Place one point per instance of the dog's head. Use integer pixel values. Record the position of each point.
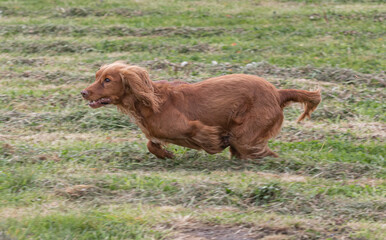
(116, 83)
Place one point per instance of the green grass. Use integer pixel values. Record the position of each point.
(71, 172)
(84, 225)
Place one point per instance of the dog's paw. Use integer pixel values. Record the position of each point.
(169, 154)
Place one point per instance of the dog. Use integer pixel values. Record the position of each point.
(238, 111)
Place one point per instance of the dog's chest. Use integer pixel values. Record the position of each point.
(153, 135)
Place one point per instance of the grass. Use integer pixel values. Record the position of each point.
(71, 172)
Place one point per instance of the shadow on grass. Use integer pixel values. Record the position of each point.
(337, 160)
(133, 158)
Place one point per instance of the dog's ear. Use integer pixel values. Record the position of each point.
(136, 80)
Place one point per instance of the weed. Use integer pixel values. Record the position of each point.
(265, 194)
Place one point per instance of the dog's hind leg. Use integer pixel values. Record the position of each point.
(254, 150)
(249, 140)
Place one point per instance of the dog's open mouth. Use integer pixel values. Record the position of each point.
(99, 103)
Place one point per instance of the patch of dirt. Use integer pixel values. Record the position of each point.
(191, 230)
(79, 191)
(213, 232)
(286, 177)
(12, 212)
(186, 228)
(46, 157)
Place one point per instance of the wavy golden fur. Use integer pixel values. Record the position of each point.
(238, 111)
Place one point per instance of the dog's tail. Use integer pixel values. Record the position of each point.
(308, 98)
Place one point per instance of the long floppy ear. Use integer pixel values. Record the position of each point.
(137, 80)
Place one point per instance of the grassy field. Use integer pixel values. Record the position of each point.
(70, 172)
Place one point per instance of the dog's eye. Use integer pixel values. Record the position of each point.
(107, 80)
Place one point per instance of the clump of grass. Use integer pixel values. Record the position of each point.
(266, 193)
(84, 225)
(17, 181)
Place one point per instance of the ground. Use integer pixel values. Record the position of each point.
(71, 172)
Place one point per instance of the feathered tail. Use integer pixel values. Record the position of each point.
(308, 98)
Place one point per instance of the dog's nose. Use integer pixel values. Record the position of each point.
(84, 93)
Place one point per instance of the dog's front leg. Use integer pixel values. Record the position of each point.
(157, 150)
